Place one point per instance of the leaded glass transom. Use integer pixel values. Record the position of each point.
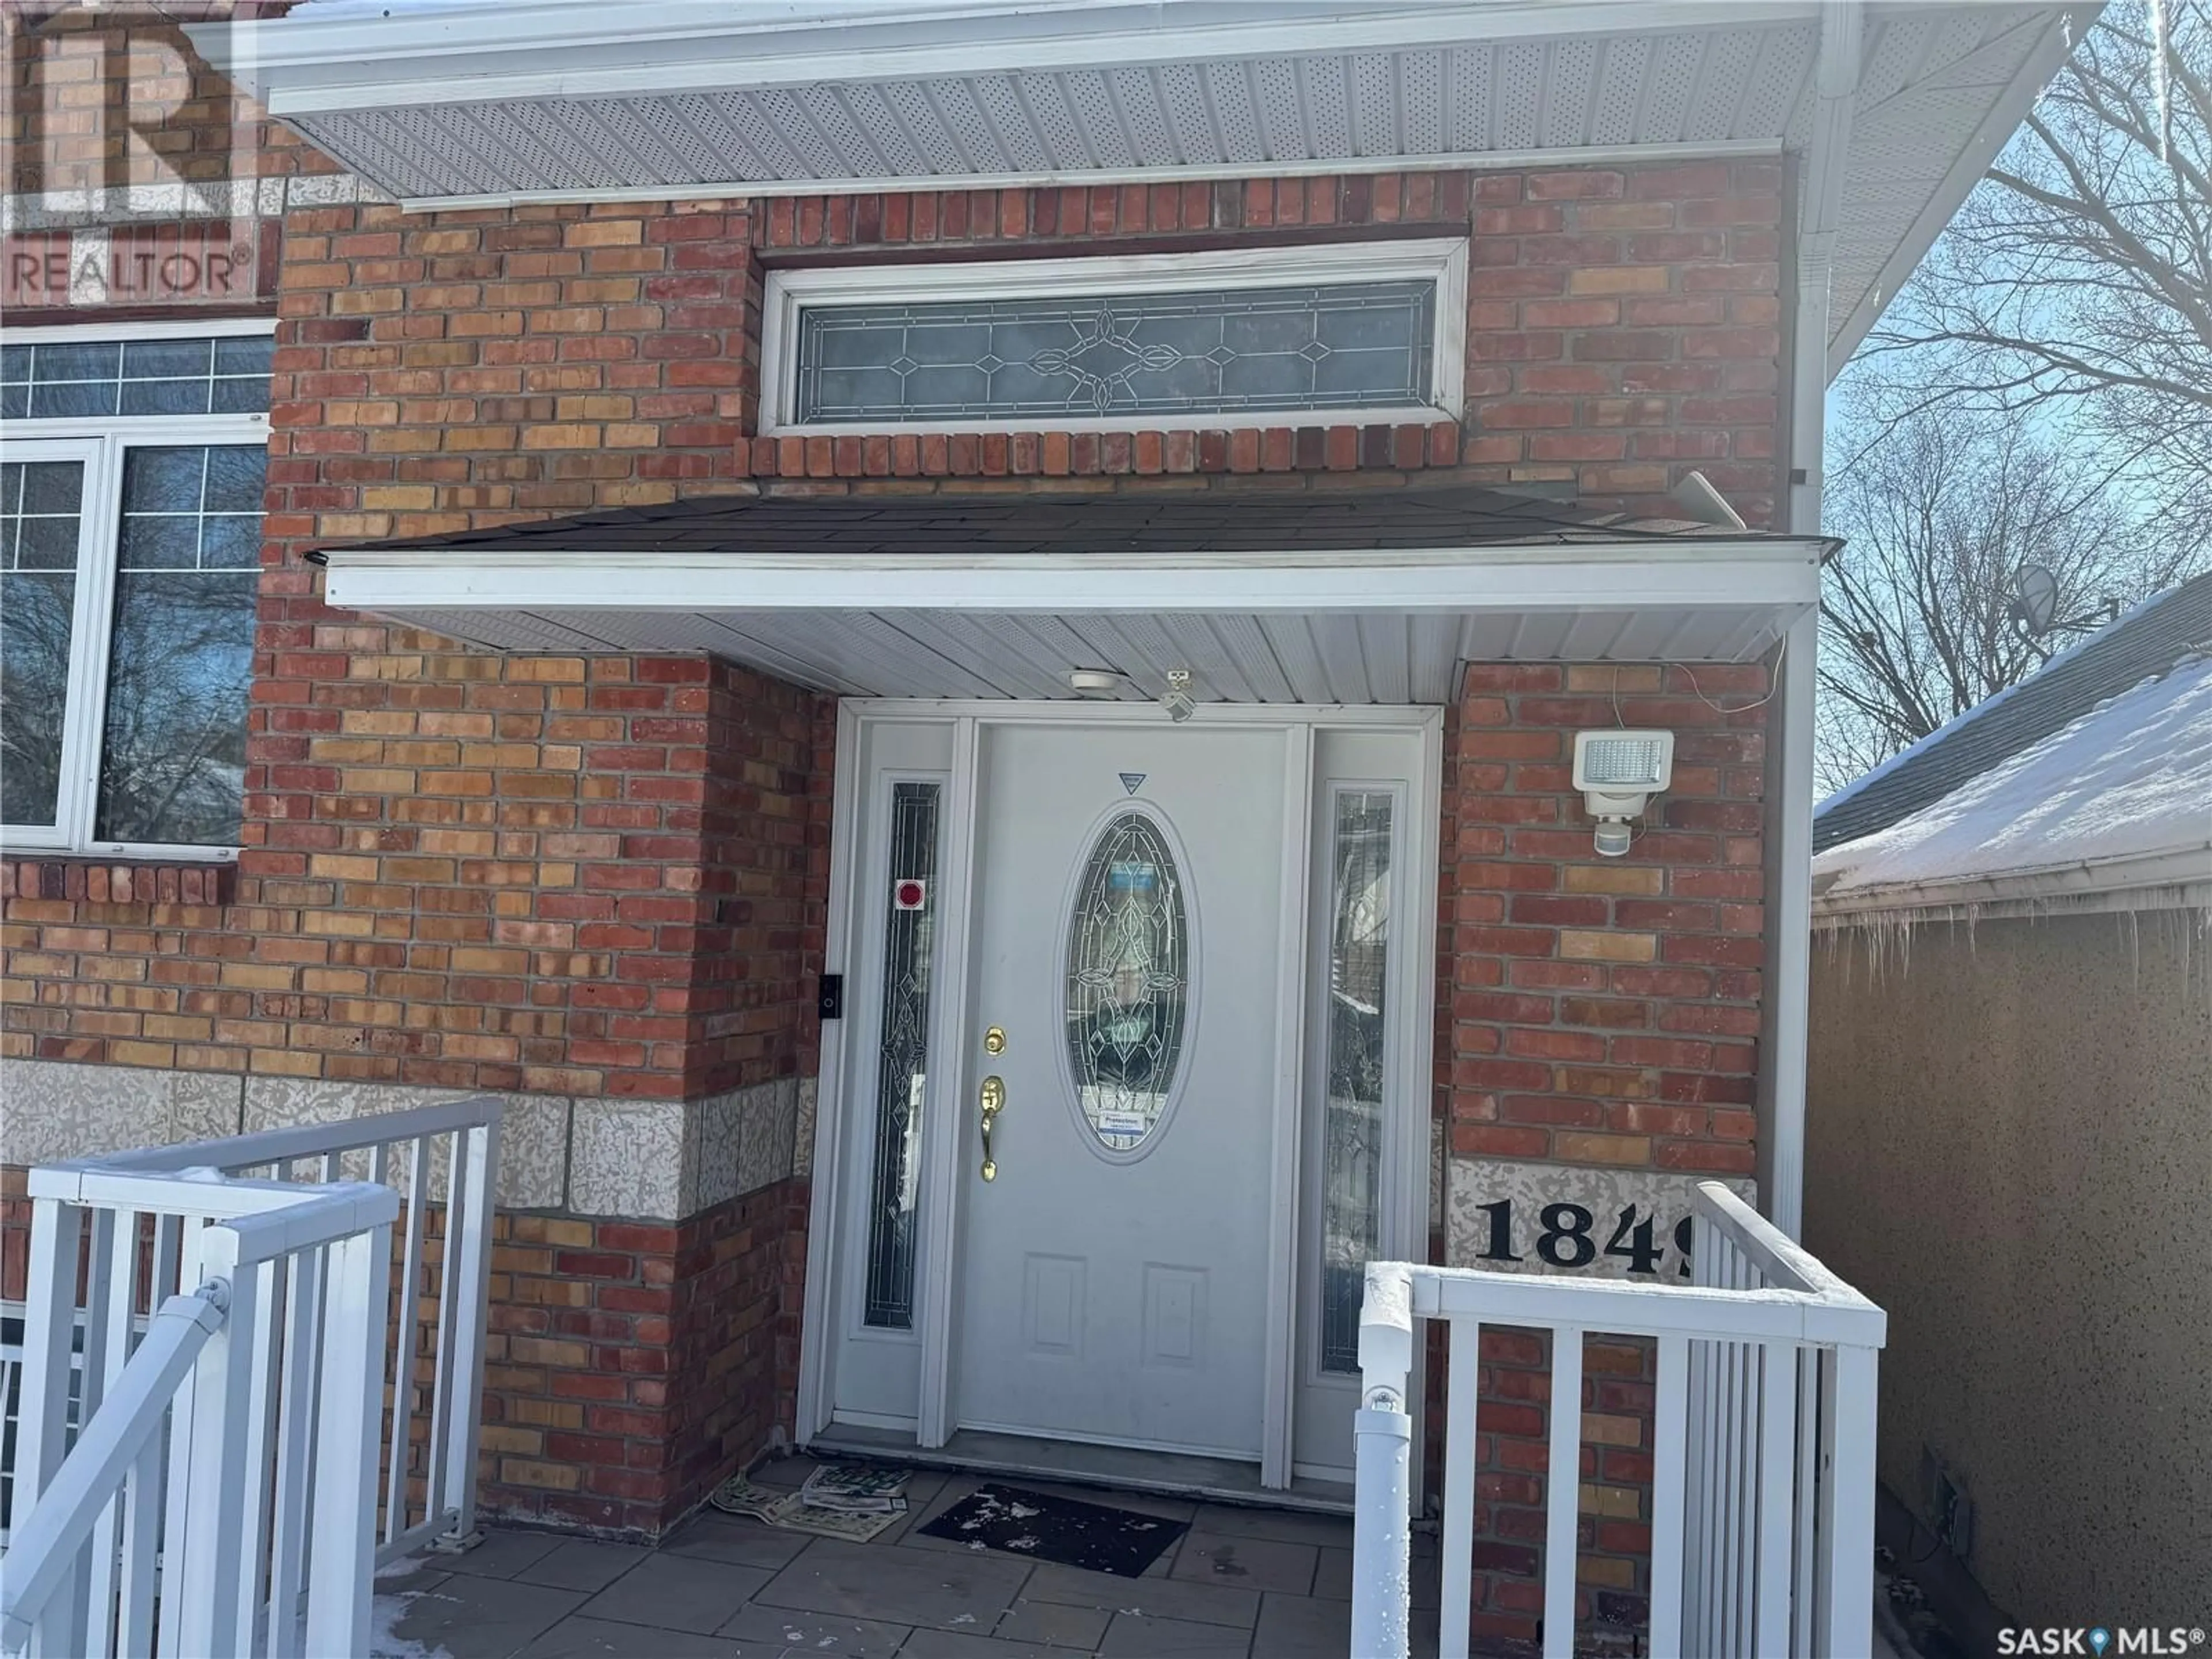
(1352, 1133)
(902, 1056)
(1223, 350)
(1129, 981)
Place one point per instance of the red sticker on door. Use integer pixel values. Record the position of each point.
(909, 895)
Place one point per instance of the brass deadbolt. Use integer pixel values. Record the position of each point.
(994, 1042)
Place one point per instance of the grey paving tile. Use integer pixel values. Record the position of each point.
(837, 1638)
(408, 1575)
(1167, 1598)
(582, 1564)
(1282, 1526)
(1257, 1564)
(897, 1585)
(740, 1542)
(596, 1639)
(927, 1644)
(1052, 1624)
(502, 1554)
(678, 1592)
(1333, 1578)
(1298, 1627)
(481, 1618)
(1141, 1636)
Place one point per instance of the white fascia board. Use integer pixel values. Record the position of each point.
(304, 64)
(2024, 891)
(1690, 572)
(2062, 28)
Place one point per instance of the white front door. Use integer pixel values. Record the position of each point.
(1126, 941)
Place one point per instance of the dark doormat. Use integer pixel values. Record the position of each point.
(1046, 1528)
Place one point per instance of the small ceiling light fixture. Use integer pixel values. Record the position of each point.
(1617, 772)
(1176, 699)
(1095, 681)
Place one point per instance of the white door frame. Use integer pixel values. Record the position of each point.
(1404, 1224)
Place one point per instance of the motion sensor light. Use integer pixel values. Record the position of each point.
(1617, 772)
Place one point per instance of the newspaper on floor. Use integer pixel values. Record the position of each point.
(789, 1512)
(856, 1488)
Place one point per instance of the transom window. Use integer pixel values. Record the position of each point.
(1344, 332)
(131, 471)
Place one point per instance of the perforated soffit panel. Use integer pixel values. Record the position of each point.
(1931, 80)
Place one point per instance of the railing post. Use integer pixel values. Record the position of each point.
(206, 1562)
(348, 1430)
(469, 1280)
(1382, 1577)
(42, 1428)
(1844, 1615)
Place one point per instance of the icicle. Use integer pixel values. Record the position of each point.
(2161, 90)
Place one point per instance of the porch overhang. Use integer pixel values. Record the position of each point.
(462, 103)
(922, 597)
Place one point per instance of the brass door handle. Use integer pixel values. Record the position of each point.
(994, 1101)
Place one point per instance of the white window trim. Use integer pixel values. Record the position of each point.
(99, 441)
(1440, 259)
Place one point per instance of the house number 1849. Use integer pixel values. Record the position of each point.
(1569, 1237)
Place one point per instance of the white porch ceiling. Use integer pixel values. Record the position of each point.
(461, 100)
(1390, 657)
(1359, 626)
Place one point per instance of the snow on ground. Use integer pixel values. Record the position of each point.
(2131, 778)
(385, 1642)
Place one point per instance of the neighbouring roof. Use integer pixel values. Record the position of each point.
(2080, 774)
(1215, 521)
(2149, 639)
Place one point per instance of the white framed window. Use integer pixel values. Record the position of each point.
(132, 462)
(1345, 333)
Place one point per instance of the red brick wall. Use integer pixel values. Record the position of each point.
(1604, 1011)
(1594, 1011)
(631, 1367)
(1623, 325)
(596, 876)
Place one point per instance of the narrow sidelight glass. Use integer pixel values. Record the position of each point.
(1351, 1132)
(902, 1055)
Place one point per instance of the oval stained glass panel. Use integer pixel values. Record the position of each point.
(1128, 979)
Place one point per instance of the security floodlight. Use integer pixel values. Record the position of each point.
(1617, 772)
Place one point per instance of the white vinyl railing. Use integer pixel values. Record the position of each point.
(230, 1484)
(1762, 1535)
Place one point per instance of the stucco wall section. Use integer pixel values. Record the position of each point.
(2010, 1148)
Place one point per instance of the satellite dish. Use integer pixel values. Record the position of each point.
(2035, 599)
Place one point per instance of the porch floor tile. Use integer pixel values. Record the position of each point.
(1241, 1584)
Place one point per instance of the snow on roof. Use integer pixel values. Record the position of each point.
(2130, 779)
